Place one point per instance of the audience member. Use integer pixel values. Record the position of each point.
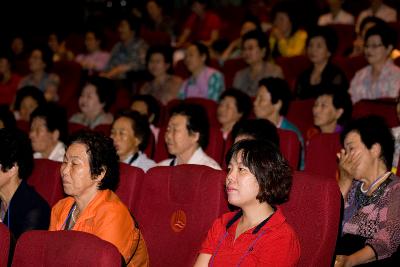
(90, 173)
(95, 99)
(48, 132)
(258, 129)
(255, 51)
(28, 98)
(158, 21)
(286, 39)
(272, 103)
(148, 106)
(164, 86)
(40, 63)
(187, 137)
(202, 25)
(21, 207)
(377, 9)
(9, 81)
(129, 54)
(331, 111)
(95, 59)
(58, 45)
(233, 106)
(130, 133)
(234, 50)
(336, 14)
(204, 81)
(370, 232)
(258, 179)
(381, 78)
(321, 46)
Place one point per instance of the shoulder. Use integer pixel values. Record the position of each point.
(165, 162)
(61, 205)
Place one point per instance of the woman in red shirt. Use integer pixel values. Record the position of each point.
(258, 179)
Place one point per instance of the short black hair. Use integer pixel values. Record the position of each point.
(105, 89)
(340, 99)
(266, 163)
(387, 34)
(259, 129)
(328, 34)
(259, 36)
(243, 102)
(134, 24)
(371, 19)
(197, 120)
(153, 106)
(31, 91)
(16, 150)
(203, 51)
(373, 130)
(140, 126)
(165, 51)
(102, 157)
(55, 118)
(279, 90)
(7, 117)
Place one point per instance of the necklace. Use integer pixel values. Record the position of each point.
(377, 180)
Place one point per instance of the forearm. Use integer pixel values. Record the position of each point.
(361, 256)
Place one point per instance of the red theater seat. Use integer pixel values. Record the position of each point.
(290, 147)
(385, 108)
(46, 179)
(313, 210)
(292, 67)
(131, 179)
(64, 248)
(5, 238)
(176, 208)
(300, 114)
(321, 153)
(231, 66)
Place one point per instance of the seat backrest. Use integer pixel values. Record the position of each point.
(64, 248)
(313, 210)
(385, 108)
(292, 67)
(176, 208)
(70, 73)
(46, 180)
(4, 244)
(130, 181)
(290, 147)
(321, 153)
(231, 66)
(345, 34)
(300, 114)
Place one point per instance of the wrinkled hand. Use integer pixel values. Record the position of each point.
(348, 163)
(342, 261)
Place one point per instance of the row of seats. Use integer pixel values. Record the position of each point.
(175, 207)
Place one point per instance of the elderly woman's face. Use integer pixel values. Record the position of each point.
(125, 141)
(43, 141)
(282, 22)
(157, 65)
(89, 101)
(28, 105)
(227, 112)
(375, 51)
(252, 52)
(241, 185)
(363, 158)
(263, 107)
(324, 112)
(36, 62)
(177, 137)
(75, 172)
(193, 59)
(317, 51)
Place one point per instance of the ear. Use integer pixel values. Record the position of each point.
(100, 177)
(389, 50)
(339, 113)
(137, 141)
(376, 150)
(55, 135)
(195, 136)
(278, 105)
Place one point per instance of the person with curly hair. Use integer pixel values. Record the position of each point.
(258, 179)
(90, 174)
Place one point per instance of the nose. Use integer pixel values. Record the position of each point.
(64, 169)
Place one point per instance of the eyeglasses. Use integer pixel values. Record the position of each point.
(372, 46)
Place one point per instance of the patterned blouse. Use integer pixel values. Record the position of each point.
(208, 84)
(375, 217)
(387, 85)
